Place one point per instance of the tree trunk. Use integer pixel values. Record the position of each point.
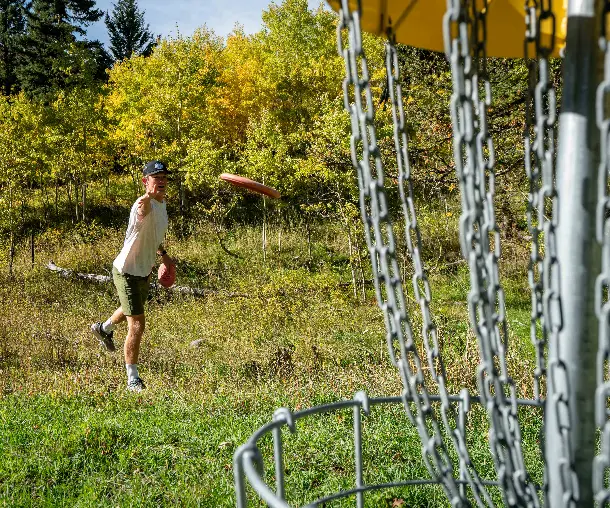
(363, 280)
(84, 205)
(32, 247)
(351, 262)
(308, 237)
(56, 199)
(136, 188)
(264, 228)
(279, 235)
(182, 151)
(45, 196)
(84, 184)
(183, 201)
(76, 198)
(11, 255)
(69, 194)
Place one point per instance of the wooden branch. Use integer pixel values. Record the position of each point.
(223, 246)
(71, 273)
(185, 290)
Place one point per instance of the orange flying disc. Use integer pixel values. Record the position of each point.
(246, 183)
(166, 275)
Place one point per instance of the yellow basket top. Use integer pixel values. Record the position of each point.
(419, 23)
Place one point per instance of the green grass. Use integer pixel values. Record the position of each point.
(284, 332)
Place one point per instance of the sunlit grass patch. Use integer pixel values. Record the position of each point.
(274, 330)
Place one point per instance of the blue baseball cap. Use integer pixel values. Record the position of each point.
(154, 167)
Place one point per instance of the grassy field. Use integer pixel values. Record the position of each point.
(284, 331)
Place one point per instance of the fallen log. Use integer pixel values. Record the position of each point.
(186, 290)
(71, 273)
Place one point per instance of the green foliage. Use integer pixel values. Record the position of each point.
(159, 103)
(128, 33)
(300, 83)
(12, 30)
(18, 168)
(268, 106)
(52, 57)
(81, 125)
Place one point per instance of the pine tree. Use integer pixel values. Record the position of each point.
(12, 30)
(51, 46)
(127, 30)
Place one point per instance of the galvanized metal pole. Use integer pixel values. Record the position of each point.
(570, 423)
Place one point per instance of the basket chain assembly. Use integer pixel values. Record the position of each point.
(434, 416)
(474, 159)
(381, 245)
(601, 465)
(420, 279)
(542, 219)
(539, 141)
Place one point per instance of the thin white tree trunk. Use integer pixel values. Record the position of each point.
(351, 264)
(279, 238)
(84, 195)
(264, 230)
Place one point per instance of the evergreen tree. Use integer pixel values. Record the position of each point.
(50, 45)
(12, 29)
(101, 57)
(128, 33)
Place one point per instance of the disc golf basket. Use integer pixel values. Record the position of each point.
(569, 269)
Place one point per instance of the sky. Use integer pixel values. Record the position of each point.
(170, 17)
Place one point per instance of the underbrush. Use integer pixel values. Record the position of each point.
(279, 328)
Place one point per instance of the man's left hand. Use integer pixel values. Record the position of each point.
(167, 260)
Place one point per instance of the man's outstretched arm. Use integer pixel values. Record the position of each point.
(144, 206)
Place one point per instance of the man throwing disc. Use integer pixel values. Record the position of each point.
(132, 268)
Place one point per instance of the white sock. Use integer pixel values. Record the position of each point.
(108, 326)
(132, 371)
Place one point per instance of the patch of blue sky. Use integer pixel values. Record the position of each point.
(168, 19)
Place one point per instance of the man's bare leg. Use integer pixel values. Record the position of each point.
(117, 317)
(136, 326)
(111, 323)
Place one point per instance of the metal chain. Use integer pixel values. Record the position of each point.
(539, 141)
(543, 215)
(601, 464)
(474, 159)
(421, 285)
(381, 245)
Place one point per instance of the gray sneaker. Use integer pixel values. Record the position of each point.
(136, 385)
(104, 338)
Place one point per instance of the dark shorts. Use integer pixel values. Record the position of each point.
(133, 292)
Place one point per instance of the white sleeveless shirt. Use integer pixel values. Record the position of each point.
(142, 240)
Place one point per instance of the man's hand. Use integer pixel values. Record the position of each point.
(144, 205)
(165, 258)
